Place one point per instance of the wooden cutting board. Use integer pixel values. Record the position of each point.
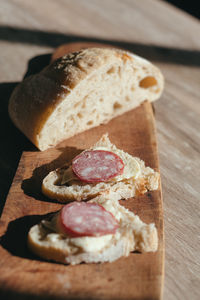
(24, 276)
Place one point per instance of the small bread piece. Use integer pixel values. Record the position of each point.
(45, 239)
(135, 180)
(82, 90)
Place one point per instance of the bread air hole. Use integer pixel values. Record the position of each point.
(90, 122)
(116, 105)
(79, 115)
(84, 102)
(127, 99)
(148, 82)
(111, 70)
(119, 72)
(76, 105)
(132, 89)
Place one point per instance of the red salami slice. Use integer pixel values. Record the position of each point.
(97, 165)
(87, 219)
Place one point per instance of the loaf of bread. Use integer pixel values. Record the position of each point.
(63, 185)
(46, 240)
(82, 90)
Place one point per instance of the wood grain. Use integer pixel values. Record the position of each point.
(138, 276)
(30, 30)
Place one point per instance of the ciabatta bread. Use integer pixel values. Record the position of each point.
(48, 242)
(135, 180)
(82, 90)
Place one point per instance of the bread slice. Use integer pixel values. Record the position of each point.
(135, 180)
(46, 241)
(82, 90)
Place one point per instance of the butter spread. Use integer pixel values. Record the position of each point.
(91, 244)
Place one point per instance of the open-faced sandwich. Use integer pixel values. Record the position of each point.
(100, 169)
(100, 230)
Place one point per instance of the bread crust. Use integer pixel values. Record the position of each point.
(36, 98)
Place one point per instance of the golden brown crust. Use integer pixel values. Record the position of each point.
(32, 102)
(48, 254)
(73, 47)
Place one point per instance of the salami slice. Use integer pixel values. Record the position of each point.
(97, 166)
(87, 219)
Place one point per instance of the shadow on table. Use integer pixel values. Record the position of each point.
(32, 185)
(6, 294)
(55, 39)
(13, 142)
(15, 238)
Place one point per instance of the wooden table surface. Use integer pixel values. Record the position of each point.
(30, 30)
